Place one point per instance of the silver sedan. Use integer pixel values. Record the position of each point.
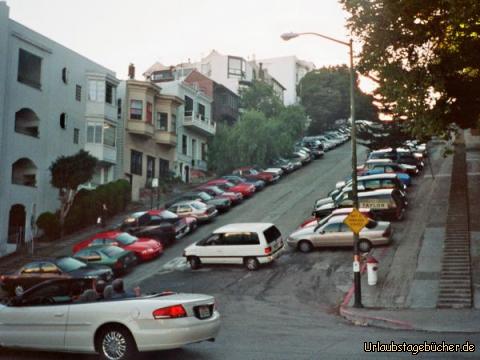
(337, 234)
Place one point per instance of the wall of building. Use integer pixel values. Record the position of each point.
(52, 99)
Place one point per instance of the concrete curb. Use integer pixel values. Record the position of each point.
(376, 321)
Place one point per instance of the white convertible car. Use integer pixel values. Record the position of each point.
(50, 317)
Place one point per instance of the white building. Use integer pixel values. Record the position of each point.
(44, 113)
(288, 70)
(194, 127)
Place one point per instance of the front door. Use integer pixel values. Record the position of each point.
(16, 225)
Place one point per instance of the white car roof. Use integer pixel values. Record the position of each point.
(375, 192)
(247, 227)
(378, 176)
(342, 211)
(379, 161)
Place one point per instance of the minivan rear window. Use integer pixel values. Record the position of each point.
(272, 234)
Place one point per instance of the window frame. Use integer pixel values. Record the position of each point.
(136, 162)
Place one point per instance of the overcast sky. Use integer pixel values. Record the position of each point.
(117, 32)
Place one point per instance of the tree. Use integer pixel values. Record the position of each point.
(426, 57)
(261, 97)
(68, 173)
(325, 94)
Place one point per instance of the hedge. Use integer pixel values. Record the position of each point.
(87, 207)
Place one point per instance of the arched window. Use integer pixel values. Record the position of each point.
(27, 122)
(63, 120)
(24, 172)
(65, 75)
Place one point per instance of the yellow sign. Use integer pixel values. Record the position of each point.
(356, 221)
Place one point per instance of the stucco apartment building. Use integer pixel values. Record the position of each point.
(148, 141)
(288, 70)
(53, 102)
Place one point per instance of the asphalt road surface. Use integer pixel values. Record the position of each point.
(286, 310)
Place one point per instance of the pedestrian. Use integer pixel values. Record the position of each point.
(102, 220)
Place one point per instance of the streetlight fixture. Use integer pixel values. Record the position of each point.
(356, 252)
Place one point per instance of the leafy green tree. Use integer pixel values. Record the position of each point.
(325, 94)
(261, 97)
(426, 57)
(67, 174)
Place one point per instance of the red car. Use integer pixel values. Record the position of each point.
(249, 172)
(189, 221)
(144, 248)
(215, 191)
(245, 189)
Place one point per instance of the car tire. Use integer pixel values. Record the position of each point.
(116, 343)
(364, 245)
(194, 262)
(17, 290)
(251, 263)
(305, 246)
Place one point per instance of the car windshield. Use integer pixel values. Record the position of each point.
(168, 215)
(253, 172)
(216, 190)
(112, 251)
(68, 264)
(204, 196)
(125, 239)
(198, 205)
(371, 224)
(229, 184)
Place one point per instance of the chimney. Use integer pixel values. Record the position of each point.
(131, 71)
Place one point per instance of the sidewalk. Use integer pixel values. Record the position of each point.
(419, 275)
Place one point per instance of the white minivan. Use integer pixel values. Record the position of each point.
(250, 244)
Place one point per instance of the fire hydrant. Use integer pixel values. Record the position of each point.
(372, 270)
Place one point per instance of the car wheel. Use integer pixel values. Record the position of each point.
(18, 290)
(194, 262)
(116, 343)
(251, 263)
(305, 246)
(364, 245)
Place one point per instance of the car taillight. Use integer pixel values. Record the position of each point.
(170, 312)
(118, 265)
(268, 250)
(2, 278)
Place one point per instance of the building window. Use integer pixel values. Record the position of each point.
(94, 133)
(184, 144)
(96, 90)
(162, 121)
(76, 136)
(136, 162)
(150, 167)
(136, 109)
(174, 123)
(63, 121)
(29, 69)
(194, 148)
(188, 106)
(24, 172)
(119, 109)
(236, 67)
(149, 113)
(164, 168)
(204, 152)
(65, 75)
(109, 134)
(78, 93)
(109, 93)
(201, 111)
(27, 122)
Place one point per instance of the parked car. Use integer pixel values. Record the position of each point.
(221, 204)
(116, 258)
(334, 233)
(164, 229)
(250, 173)
(247, 190)
(399, 156)
(315, 146)
(383, 203)
(38, 271)
(313, 221)
(302, 156)
(284, 164)
(296, 161)
(234, 197)
(143, 248)
(274, 170)
(382, 167)
(201, 211)
(259, 184)
(180, 222)
(250, 244)
(114, 328)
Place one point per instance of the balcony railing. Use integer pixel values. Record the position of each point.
(198, 122)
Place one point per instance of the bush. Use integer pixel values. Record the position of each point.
(50, 225)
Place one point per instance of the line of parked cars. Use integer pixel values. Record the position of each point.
(382, 185)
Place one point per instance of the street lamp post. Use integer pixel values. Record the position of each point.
(356, 253)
